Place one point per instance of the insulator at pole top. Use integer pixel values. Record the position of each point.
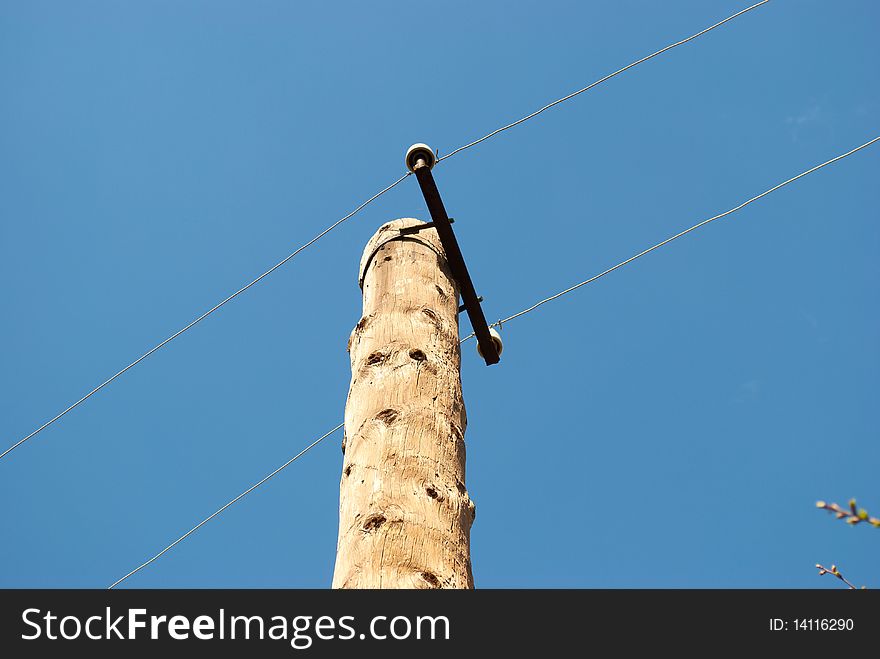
(420, 152)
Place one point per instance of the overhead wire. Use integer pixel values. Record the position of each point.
(202, 317)
(225, 506)
(600, 81)
(676, 236)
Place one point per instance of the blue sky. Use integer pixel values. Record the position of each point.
(671, 425)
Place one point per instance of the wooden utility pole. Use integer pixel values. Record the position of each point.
(405, 514)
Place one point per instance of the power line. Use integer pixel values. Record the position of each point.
(678, 235)
(220, 510)
(601, 80)
(202, 317)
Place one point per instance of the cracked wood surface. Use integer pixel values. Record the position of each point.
(404, 513)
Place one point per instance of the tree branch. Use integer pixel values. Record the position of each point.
(833, 570)
(852, 516)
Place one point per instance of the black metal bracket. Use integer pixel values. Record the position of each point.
(454, 258)
(408, 231)
(462, 307)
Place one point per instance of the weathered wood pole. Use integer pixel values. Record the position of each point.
(404, 512)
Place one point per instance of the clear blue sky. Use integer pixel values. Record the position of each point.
(671, 425)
